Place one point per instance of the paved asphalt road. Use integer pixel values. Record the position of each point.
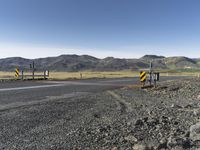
(15, 94)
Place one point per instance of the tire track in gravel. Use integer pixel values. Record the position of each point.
(123, 105)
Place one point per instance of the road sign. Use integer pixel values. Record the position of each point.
(47, 73)
(17, 72)
(156, 76)
(143, 76)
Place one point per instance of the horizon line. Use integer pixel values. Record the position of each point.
(51, 56)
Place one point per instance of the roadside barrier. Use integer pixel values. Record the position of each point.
(143, 77)
(17, 72)
(150, 77)
(31, 76)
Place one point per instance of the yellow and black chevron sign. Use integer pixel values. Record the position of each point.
(16, 72)
(143, 76)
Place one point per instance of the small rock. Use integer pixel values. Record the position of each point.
(139, 122)
(139, 147)
(196, 112)
(188, 106)
(187, 143)
(131, 139)
(145, 119)
(171, 142)
(176, 106)
(114, 148)
(195, 132)
(163, 144)
(128, 123)
(174, 88)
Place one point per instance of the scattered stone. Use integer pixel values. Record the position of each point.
(176, 106)
(163, 144)
(188, 106)
(195, 132)
(114, 148)
(196, 112)
(174, 88)
(139, 147)
(139, 122)
(131, 138)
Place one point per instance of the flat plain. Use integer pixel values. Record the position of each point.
(92, 74)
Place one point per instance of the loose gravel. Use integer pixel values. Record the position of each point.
(166, 117)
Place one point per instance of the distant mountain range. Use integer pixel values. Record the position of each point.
(89, 63)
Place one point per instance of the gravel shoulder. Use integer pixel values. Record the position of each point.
(166, 117)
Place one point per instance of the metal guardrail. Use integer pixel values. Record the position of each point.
(22, 76)
(31, 76)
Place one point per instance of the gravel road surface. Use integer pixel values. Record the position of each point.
(100, 114)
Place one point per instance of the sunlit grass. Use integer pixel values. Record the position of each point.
(87, 75)
(90, 74)
(7, 75)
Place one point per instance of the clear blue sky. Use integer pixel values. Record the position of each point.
(120, 28)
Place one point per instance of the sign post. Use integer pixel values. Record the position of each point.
(33, 70)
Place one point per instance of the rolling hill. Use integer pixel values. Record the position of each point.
(90, 63)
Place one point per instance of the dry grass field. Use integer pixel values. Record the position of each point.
(89, 74)
(75, 75)
(6, 75)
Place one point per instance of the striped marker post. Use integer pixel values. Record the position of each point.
(17, 72)
(143, 77)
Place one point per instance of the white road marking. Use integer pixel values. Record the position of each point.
(46, 86)
(60, 83)
(30, 87)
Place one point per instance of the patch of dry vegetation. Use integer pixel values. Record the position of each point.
(89, 74)
(7, 75)
(181, 74)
